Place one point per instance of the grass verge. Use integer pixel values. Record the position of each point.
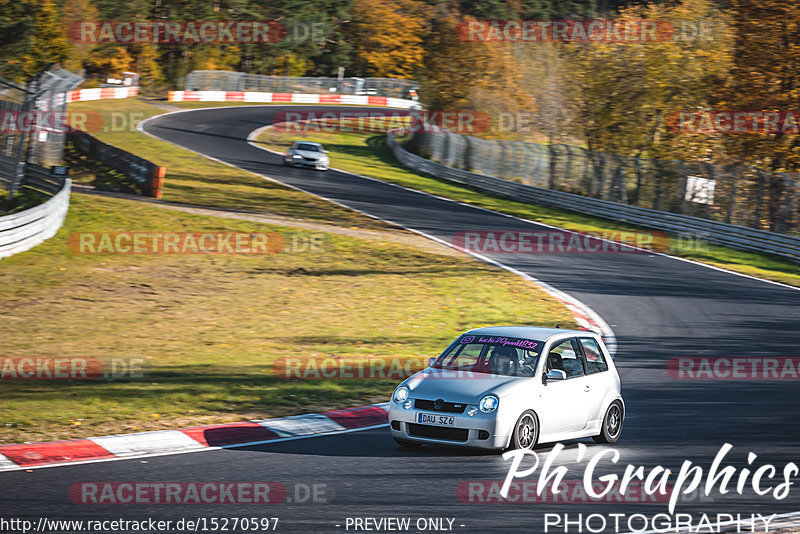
(193, 179)
(212, 327)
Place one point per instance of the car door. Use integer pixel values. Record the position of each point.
(564, 402)
(599, 380)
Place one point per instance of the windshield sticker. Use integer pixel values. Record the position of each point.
(504, 341)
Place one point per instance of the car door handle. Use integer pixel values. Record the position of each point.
(587, 389)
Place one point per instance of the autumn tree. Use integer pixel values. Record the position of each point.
(75, 11)
(463, 74)
(766, 77)
(147, 65)
(16, 27)
(49, 43)
(110, 62)
(387, 36)
(33, 36)
(627, 89)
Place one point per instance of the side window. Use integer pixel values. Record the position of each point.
(595, 361)
(564, 357)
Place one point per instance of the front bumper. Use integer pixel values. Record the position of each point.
(302, 162)
(480, 431)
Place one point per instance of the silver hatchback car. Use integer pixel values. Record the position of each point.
(511, 387)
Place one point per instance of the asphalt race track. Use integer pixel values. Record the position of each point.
(659, 307)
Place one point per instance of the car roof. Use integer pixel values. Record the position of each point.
(307, 143)
(527, 332)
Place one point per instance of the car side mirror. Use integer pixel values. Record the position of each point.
(431, 361)
(555, 374)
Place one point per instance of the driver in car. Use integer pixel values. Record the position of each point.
(504, 360)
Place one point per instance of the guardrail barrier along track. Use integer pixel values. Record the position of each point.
(729, 235)
(24, 230)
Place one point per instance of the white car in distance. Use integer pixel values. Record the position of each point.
(307, 154)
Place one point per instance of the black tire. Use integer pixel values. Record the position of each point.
(612, 424)
(526, 431)
(406, 443)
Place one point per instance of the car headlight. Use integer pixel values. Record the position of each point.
(296, 156)
(400, 394)
(489, 403)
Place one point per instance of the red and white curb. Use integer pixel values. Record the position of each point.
(163, 442)
(101, 93)
(288, 98)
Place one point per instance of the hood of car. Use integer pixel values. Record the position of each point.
(456, 386)
(308, 154)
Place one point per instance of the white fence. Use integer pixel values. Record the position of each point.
(24, 230)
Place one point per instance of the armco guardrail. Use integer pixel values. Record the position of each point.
(729, 235)
(145, 173)
(24, 230)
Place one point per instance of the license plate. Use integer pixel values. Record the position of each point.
(439, 420)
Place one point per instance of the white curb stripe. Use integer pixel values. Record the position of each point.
(169, 442)
(301, 425)
(147, 442)
(6, 464)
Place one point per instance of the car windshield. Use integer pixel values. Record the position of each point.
(308, 148)
(497, 355)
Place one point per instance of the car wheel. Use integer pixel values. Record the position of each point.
(526, 431)
(612, 424)
(406, 443)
